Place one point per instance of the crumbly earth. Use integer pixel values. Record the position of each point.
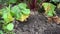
(36, 24)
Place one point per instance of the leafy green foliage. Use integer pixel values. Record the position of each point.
(20, 10)
(15, 10)
(26, 11)
(58, 6)
(1, 32)
(12, 1)
(3, 1)
(8, 14)
(49, 9)
(10, 26)
(22, 5)
(7, 2)
(55, 1)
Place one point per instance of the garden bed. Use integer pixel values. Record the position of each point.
(36, 24)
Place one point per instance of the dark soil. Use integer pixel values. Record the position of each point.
(36, 24)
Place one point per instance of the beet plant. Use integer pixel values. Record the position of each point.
(8, 14)
(49, 9)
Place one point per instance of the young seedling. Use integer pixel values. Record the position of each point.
(49, 11)
(20, 12)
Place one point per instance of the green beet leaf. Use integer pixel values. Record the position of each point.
(12, 1)
(58, 6)
(50, 11)
(18, 16)
(55, 1)
(2, 10)
(20, 10)
(26, 11)
(15, 10)
(22, 5)
(1, 32)
(46, 5)
(7, 15)
(10, 26)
